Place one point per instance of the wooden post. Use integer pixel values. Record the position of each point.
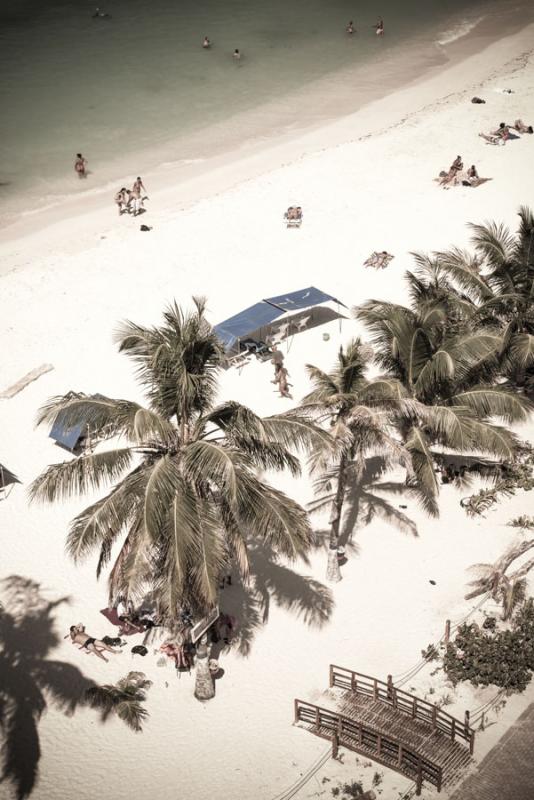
(335, 745)
(440, 778)
(375, 689)
(466, 725)
(472, 743)
(447, 631)
(353, 681)
(414, 708)
(331, 675)
(453, 729)
(317, 718)
(434, 716)
(419, 779)
(296, 706)
(390, 687)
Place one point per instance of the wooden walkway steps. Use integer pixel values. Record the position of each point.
(393, 727)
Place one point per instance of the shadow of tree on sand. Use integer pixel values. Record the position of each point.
(273, 581)
(364, 501)
(29, 681)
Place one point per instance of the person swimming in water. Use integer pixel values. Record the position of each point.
(101, 14)
(206, 43)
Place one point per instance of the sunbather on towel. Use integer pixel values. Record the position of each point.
(498, 136)
(89, 643)
(520, 127)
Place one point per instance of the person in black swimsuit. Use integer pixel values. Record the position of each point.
(89, 643)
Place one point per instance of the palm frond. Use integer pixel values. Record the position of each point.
(80, 475)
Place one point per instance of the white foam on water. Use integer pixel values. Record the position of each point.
(458, 31)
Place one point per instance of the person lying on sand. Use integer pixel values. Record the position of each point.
(520, 127)
(89, 643)
(498, 136)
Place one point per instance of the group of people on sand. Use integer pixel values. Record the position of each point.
(458, 174)
(378, 26)
(131, 200)
(501, 134)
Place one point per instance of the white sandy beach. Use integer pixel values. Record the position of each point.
(365, 183)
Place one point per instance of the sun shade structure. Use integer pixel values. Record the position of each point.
(70, 438)
(7, 481)
(261, 319)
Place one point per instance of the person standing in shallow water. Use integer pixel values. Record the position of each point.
(80, 165)
(236, 55)
(206, 43)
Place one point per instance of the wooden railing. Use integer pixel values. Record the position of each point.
(416, 708)
(364, 739)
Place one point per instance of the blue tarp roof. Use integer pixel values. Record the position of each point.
(300, 299)
(7, 477)
(69, 437)
(240, 325)
(260, 314)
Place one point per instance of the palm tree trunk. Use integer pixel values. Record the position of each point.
(333, 573)
(204, 686)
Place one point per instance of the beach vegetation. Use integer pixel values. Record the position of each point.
(504, 658)
(187, 490)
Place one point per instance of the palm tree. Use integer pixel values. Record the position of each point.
(30, 680)
(186, 497)
(123, 698)
(492, 579)
(443, 370)
(358, 411)
(499, 282)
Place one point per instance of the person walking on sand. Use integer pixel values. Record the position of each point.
(121, 199)
(283, 383)
(277, 361)
(80, 165)
(137, 188)
(89, 643)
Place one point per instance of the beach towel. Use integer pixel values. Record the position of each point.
(378, 260)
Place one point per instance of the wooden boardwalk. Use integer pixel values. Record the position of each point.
(452, 757)
(392, 727)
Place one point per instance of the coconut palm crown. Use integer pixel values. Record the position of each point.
(185, 495)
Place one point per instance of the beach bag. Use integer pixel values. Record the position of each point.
(477, 100)
(139, 650)
(145, 228)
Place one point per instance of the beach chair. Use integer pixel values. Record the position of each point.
(256, 347)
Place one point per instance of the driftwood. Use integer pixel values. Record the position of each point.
(23, 382)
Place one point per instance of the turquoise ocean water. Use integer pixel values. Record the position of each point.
(138, 87)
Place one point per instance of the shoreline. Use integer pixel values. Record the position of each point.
(181, 185)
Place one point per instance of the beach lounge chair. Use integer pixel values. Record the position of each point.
(293, 217)
(256, 347)
(379, 260)
(7, 481)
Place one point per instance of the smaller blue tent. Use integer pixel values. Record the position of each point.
(71, 437)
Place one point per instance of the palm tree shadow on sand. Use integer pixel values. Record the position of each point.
(364, 502)
(30, 681)
(272, 581)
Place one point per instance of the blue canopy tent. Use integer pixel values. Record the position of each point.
(260, 320)
(71, 438)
